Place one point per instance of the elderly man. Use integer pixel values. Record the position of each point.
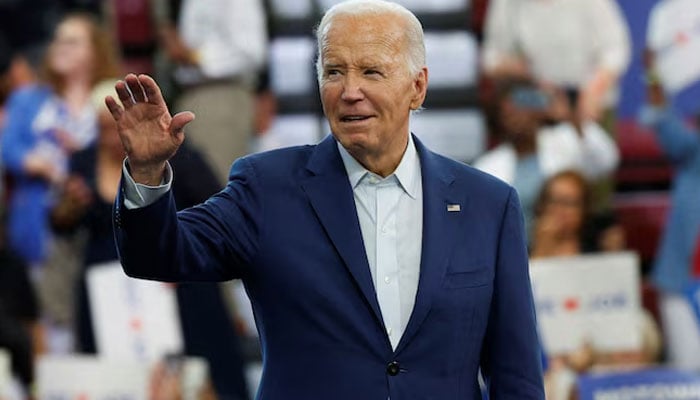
(376, 268)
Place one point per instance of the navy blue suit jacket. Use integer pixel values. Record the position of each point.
(286, 224)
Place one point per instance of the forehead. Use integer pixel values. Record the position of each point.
(72, 26)
(367, 38)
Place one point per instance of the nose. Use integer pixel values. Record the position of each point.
(352, 88)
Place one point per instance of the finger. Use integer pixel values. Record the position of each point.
(123, 94)
(177, 125)
(114, 108)
(132, 82)
(151, 90)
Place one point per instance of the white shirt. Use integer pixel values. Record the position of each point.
(390, 213)
(563, 41)
(228, 35)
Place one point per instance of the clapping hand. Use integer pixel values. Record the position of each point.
(149, 134)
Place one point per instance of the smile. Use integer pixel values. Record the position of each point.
(355, 118)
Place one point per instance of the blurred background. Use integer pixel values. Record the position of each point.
(589, 108)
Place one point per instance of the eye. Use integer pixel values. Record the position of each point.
(332, 72)
(372, 72)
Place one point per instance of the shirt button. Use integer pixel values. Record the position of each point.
(387, 280)
(393, 368)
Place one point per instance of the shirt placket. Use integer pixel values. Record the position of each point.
(387, 277)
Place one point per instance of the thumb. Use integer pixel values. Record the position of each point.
(177, 125)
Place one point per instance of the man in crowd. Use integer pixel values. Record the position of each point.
(376, 268)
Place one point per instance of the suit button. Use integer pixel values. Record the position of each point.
(393, 368)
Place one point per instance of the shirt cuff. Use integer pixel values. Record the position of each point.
(137, 195)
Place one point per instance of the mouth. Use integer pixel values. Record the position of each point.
(354, 118)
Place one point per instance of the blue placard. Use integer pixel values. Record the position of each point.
(651, 384)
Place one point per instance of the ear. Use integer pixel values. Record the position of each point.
(420, 88)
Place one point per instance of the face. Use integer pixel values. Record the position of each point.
(565, 204)
(367, 90)
(518, 124)
(71, 49)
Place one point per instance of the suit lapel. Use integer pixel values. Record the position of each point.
(333, 202)
(439, 234)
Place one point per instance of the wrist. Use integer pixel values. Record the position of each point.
(148, 174)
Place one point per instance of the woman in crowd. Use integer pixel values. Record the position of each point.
(45, 123)
(89, 192)
(565, 226)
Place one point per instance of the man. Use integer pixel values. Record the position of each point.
(376, 268)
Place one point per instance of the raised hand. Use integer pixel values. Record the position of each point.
(149, 134)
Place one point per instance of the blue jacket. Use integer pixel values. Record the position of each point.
(28, 229)
(286, 224)
(672, 267)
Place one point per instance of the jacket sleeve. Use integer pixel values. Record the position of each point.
(214, 241)
(677, 140)
(511, 358)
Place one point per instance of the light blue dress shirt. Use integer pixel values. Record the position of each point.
(390, 213)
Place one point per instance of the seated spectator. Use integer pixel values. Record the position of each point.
(564, 222)
(87, 202)
(531, 152)
(672, 269)
(565, 226)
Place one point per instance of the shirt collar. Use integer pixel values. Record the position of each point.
(406, 172)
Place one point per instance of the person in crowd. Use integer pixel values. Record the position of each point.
(578, 45)
(328, 239)
(45, 123)
(531, 152)
(218, 49)
(565, 224)
(672, 269)
(87, 201)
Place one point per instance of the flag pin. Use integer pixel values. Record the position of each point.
(453, 208)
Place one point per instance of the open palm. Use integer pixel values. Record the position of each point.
(149, 134)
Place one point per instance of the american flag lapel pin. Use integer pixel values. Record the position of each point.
(453, 208)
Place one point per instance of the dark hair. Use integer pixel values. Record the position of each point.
(581, 182)
(501, 90)
(105, 59)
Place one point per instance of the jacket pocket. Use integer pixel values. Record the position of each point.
(468, 277)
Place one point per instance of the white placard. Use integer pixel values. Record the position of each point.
(94, 378)
(452, 59)
(459, 134)
(133, 319)
(89, 378)
(292, 66)
(674, 36)
(588, 298)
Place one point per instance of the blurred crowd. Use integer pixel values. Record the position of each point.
(549, 85)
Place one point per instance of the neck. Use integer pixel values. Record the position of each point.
(382, 163)
(524, 147)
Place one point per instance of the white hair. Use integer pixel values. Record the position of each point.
(415, 46)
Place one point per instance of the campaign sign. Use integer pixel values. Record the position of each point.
(654, 384)
(590, 299)
(694, 297)
(674, 37)
(133, 319)
(91, 378)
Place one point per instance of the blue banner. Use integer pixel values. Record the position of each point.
(653, 384)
